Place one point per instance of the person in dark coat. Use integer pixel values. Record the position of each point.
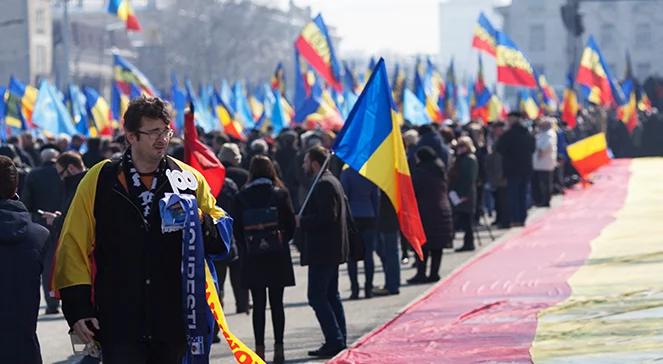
(42, 196)
(231, 158)
(286, 157)
(429, 178)
(430, 137)
(516, 147)
(272, 271)
(21, 248)
(363, 199)
(93, 154)
(325, 247)
(464, 176)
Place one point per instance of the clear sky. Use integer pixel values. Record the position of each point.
(372, 26)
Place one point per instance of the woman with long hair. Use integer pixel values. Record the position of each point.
(264, 224)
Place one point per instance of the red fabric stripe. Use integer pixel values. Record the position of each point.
(317, 62)
(200, 157)
(408, 216)
(483, 45)
(591, 163)
(515, 76)
(132, 23)
(569, 113)
(487, 310)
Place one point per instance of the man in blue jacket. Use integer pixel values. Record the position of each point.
(21, 251)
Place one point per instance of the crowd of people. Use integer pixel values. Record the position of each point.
(463, 176)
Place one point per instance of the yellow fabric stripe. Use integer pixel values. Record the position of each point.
(388, 160)
(586, 147)
(206, 201)
(73, 256)
(592, 61)
(240, 351)
(615, 311)
(317, 40)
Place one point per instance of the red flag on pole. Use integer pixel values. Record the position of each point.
(201, 157)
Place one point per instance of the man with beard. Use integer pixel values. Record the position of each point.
(325, 246)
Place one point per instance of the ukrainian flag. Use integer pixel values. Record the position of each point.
(371, 143)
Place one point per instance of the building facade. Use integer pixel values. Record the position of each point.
(617, 26)
(26, 37)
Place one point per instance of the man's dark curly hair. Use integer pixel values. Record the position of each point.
(145, 106)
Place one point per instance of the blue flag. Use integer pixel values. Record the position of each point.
(50, 114)
(413, 110)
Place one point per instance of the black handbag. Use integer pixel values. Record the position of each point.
(261, 229)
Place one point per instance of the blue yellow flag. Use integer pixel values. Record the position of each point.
(75, 102)
(371, 144)
(99, 113)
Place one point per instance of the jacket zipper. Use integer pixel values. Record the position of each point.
(146, 224)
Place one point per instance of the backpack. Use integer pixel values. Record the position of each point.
(261, 228)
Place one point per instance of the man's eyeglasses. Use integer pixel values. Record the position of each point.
(157, 133)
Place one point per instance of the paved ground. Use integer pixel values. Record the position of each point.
(302, 332)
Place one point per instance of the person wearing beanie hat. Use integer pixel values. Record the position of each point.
(231, 158)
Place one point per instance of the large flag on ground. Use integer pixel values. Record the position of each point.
(201, 157)
(126, 74)
(570, 103)
(485, 36)
(314, 44)
(50, 114)
(122, 9)
(371, 143)
(596, 79)
(513, 68)
(588, 154)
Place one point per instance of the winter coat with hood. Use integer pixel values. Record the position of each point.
(21, 249)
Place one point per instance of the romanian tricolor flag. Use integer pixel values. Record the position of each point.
(315, 46)
(449, 100)
(549, 99)
(527, 104)
(594, 76)
(628, 113)
(126, 74)
(513, 68)
(371, 143)
(644, 104)
(278, 79)
(225, 116)
(588, 154)
(122, 9)
(319, 111)
(480, 98)
(570, 105)
(21, 101)
(99, 113)
(485, 36)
